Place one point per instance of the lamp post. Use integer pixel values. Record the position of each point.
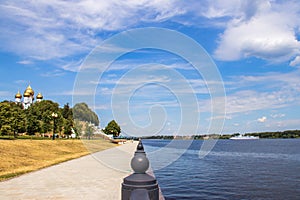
(54, 116)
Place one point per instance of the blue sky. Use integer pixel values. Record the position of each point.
(254, 44)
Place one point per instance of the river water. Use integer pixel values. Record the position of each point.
(243, 169)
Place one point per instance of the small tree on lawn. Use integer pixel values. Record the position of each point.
(112, 128)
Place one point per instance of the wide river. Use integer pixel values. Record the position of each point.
(234, 169)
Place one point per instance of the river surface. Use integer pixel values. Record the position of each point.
(243, 169)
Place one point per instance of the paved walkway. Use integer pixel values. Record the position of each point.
(96, 176)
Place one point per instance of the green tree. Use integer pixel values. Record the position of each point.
(68, 122)
(112, 128)
(17, 119)
(39, 119)
(5, 126)
(6, 129)
(12, 118)
(46, 122)
(82, 112)
(32, 125)
(67, 126)
(66, 111)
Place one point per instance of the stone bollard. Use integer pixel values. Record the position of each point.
(140, 185)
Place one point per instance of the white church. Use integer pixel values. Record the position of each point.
(28, 97)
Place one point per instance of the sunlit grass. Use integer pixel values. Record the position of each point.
(22, 156)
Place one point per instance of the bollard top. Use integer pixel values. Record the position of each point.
(140, 146)
(139, 162)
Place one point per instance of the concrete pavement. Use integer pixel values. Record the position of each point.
(96, 176)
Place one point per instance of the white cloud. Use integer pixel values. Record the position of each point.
(22, 82)
(262, 119)
(282, 124)
(257, 93)
(286, 82)
(268, 33)
(53, 73)
(295, 62)
(292, 123)
(73, 66)
(25, 62)
(220, 9)
(45, 30)
(73, 93)
(249, 100)
(279, 115)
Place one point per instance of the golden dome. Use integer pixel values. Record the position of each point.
(26, 94)
(18, 95)
(29, 90)
(39, 96)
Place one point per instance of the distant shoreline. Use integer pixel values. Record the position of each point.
(288, 134)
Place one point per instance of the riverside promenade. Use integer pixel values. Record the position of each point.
(95, 176)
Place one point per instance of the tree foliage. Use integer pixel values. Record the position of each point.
(68, 122)
(39, 119)
(12, 118)
(112, 128)
(82, 112)
(278, 134)
(36, 119)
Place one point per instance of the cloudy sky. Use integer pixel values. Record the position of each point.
(254, 45)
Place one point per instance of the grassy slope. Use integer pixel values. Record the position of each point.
(22, 156)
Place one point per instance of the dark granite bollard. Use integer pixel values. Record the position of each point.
(140, 185)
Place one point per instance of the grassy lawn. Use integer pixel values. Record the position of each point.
(22, 156)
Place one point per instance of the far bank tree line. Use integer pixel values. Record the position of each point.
(38, 119)
(266, 135)
(269, 135)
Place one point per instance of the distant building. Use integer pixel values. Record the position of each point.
(28, 97)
